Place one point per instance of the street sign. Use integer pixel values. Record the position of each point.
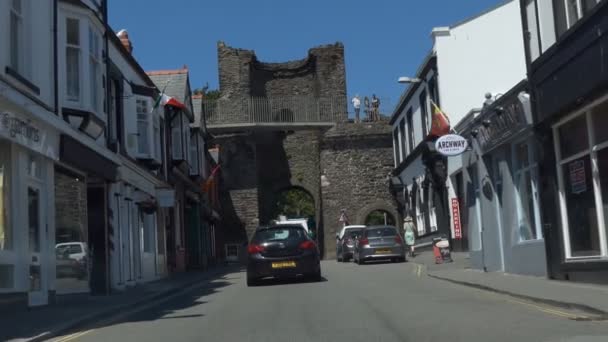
(456, 218)
(451, 145)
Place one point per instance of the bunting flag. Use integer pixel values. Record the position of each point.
(209, 181)
(441, 123)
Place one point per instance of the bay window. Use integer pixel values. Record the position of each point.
(143, 128)
(582, 164)
(83, 64)
(72, 60)
(94, 69)
(17, 36)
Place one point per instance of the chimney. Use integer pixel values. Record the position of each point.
(123, 35)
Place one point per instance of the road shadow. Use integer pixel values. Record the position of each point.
(287, 281)
(75, 314)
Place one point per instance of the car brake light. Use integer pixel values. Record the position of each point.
(307, 245)
(398, 239)
(363, 241)
(254, 249)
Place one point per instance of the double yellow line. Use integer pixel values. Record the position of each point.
(73, 336)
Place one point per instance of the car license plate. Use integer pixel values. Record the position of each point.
(383, 251)
(284, 264)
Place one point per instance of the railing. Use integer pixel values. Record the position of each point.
(292, 109)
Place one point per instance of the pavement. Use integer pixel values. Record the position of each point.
(72, 311)
(592, 299)
(372, 302)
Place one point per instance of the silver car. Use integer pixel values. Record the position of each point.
(379, 243)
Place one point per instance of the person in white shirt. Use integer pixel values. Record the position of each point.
(357, 105)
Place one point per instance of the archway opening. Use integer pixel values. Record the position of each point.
(295, 203)
(380, 217)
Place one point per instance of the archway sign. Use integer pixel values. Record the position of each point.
(451, 145)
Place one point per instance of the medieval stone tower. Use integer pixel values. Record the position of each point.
(284, 125)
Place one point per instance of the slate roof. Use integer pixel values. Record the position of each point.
(175, 81)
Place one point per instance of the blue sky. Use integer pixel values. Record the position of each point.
(383, 39)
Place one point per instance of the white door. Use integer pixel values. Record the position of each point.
(37, 290)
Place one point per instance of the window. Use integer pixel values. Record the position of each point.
(410, 130)
(526, 189)
(6, 236)
(72, 60)
(568, 12)
(402, 139)
(582, 158)
(176, 139)
(17, 36)
(194, 165)
(396, 147)
(186, 137)
(143, 127)
(94, 69)
(424, 114)
(156, 138)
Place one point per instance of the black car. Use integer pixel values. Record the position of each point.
(282, 251)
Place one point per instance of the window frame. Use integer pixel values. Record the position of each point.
(529, 170)
(95, 49)
(22, 40)
(143, 115)
(592, 152)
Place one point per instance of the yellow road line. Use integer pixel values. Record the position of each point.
(74, 336)
(547, 310)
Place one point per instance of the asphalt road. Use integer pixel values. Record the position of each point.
(378, 302)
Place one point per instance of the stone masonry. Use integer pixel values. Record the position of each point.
(257, 165)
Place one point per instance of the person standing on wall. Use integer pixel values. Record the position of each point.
(357, 105)
(368, 112)
(408, 235)
(375, 108)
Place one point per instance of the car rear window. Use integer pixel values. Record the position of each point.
(353, 233)
(380, 232)
(279, 234)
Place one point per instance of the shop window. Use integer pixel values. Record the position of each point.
(584, 189)
(71, 249)
(573, 137)
(7, 276)
(526, 195)
(6, 236)
(600, 122)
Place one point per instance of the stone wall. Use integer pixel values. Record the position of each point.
(356, 160)
(258, 165)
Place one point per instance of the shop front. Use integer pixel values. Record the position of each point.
(28, 150)
(502, 201)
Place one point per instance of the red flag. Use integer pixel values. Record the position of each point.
(441, 124)
(209, 179)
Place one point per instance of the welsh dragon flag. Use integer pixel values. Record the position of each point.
(165, 100)
(441, 123)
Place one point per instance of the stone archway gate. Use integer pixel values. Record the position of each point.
(306, 140)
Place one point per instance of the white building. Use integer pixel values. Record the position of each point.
(479, 55)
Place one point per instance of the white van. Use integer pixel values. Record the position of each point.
(301, 221)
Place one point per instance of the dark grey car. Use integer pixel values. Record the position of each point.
(379, 243)
(346, 245)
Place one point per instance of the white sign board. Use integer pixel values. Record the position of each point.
(451, 145)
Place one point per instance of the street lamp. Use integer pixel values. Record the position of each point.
(408, 80)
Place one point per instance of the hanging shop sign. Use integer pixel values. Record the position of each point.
(451, 145)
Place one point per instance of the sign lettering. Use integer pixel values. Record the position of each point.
(456, 218)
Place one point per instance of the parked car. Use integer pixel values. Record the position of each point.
(379, 243)
(346, 245)
(282, 251)
(71, 260)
